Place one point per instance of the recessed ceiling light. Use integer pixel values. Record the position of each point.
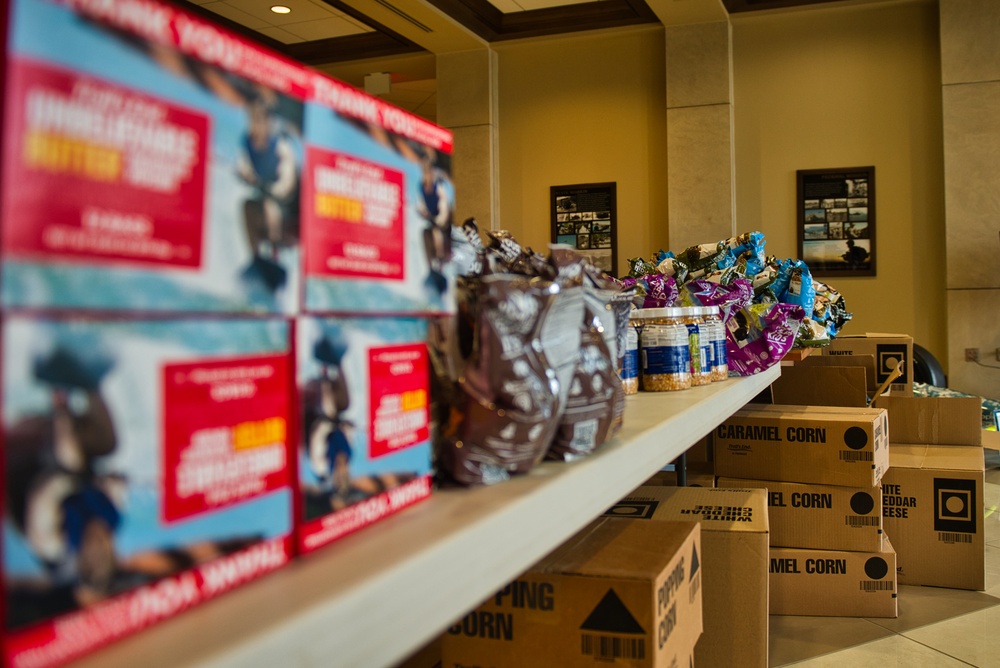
(281, 9)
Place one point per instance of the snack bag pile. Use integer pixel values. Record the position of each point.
(529, 367)
(768, 305)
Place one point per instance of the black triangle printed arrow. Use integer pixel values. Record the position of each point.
(611, 616)
(694, 562)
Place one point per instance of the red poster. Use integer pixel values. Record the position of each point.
(96, 171)
(225, 432)
(352, 217)
(398, 405)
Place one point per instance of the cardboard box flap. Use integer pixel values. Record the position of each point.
(874, 335)
(610, 548)
(864, 362)
(743, 510)
(827, 384)
(934, 420)
(829, 412)
(991, 439)
(937, 457)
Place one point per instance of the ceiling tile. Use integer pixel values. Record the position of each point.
(427, 109)
(402, 96)
(543, 4)
(302, 10)
(280, 34)
(424, 85)
(235, 14)
(507, 6)
(324, 28)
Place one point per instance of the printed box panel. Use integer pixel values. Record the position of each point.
(588, 603)
(888, 351)
(378, 207)
(807, 444)
(822, 517)
(734, 537)
(146, 470)
(833, 583)
(152, 162)
(364, 450)
(934, 514)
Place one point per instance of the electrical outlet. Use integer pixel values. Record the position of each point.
(972, 354)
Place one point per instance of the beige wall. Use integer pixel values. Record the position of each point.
(825, 87)
(584, 109)
(970, 67)
(844, 87)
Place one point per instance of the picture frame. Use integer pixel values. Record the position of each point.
(585, 216)
(835, 210)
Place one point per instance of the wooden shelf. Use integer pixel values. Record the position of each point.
(375, 597)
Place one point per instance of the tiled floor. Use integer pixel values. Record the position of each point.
(935, 627)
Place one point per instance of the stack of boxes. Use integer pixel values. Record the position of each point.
(734, 563)
(188, 397)
(377, 212)
(618, 592)
(933, 490)
(821, 467)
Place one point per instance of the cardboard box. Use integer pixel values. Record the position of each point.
(364, 450)
(833, 583)
(934, 420)
(822, 517)
(821, 384)
(622, 593)
(701, 451)
(933, 510)
(699, 474)
(147, 469)
(991, 439)
(734, 539)
(887, 349)
(151, 199)
(811, 444)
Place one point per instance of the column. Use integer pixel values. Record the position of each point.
(467, 105)
(700, 167)
(970, 76)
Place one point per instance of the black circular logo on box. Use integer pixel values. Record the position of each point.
(876, 568)
(862, 503)
(855, 438)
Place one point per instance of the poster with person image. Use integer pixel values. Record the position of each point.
(585, 217)
(836, 220)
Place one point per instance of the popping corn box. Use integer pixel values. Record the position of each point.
(364, 444)
(146, 470)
